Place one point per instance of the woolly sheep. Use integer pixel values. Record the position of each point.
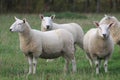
(47, 45)
(98, 45)
(115, 30)
(76, 30)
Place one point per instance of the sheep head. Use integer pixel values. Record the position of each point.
(103, 29)
(18, 25)
(47, 22)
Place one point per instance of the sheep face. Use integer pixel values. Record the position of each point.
(103, 30)
(17, 26)
(47, 22)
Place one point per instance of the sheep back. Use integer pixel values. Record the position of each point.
(75, 29)
(51, 44)
(64, 44)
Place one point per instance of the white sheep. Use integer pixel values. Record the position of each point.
(98, 45)
(76, 30)
(115, 30)
(47, 45)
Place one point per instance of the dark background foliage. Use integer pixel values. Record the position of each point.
(37, 6)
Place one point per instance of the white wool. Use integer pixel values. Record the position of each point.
(74, 28)
(47, 45)
(96, 47)
(115, 30)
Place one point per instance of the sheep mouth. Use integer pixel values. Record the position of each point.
(10, 30)
(105, 37)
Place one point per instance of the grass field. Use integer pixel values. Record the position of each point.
(14, 65)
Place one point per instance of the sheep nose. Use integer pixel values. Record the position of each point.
(104, 35)
(10, 29)
(48, 26)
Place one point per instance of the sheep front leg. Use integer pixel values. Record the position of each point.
(34, 64)
(30, 64)
(106, 65)
(97, 66)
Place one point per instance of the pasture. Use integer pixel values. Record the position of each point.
(14, 65)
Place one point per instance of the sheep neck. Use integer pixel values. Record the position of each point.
(100, 42)
(54, 26)
(25, 36)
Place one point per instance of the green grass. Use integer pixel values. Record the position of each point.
(14, 65)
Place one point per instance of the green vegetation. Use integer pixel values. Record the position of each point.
(14, 65)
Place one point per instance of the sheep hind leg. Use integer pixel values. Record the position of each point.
(30, 64)
(90, 59)
(34, 64)
(74, 65)
(66, 65)
(90, 62)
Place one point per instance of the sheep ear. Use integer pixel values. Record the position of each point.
(15, 18)
(24, 20)
(53, 16)
(106, 15)
(41, 16)
(96, 23)
(110, 25)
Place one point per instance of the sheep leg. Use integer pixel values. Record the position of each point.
(89, 58)
(106, 65)
(34, 64)
(30, 65)
(97, 66)
(66, 65)
(74, 65)
(90, 62)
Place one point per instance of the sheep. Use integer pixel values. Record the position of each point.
(98, 45)
(76, 30)
(115, 30)
(46, 45)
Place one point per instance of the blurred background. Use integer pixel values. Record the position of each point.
(40, 6)
(14, 65)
